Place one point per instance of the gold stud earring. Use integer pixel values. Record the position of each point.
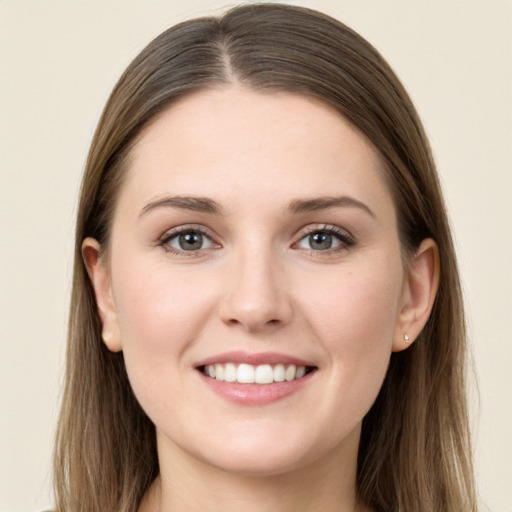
(104, 337)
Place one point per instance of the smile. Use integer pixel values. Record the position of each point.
(250, 379)
(252, 374)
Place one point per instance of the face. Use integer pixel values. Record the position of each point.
(255, 280)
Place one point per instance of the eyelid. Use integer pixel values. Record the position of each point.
(346, 238)
(184, 228)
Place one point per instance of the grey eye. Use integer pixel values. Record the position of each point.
(320, 241)
(189, 241)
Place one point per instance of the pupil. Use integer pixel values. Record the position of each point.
(191, 241)
(320, 241)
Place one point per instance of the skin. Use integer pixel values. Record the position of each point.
(257, 284)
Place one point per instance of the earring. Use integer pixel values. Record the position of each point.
(406, 338)
(104, 337)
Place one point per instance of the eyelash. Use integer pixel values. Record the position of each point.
(346, 240)
(166, 239)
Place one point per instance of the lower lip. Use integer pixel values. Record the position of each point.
(255, 394)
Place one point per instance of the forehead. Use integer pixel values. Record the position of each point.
(232, 141)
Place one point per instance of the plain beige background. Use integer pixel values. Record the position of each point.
(58, 63)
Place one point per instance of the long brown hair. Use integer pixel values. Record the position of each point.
(414, 452)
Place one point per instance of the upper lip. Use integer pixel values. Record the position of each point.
(254, 359)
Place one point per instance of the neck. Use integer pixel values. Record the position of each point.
(185, 483)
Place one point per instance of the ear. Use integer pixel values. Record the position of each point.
(100, 279)
(418, 294)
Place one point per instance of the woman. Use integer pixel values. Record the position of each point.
(266, 309)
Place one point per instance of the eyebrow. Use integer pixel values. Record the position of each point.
(196, 204)
(207, 205)
(322, 203)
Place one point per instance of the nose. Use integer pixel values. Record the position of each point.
(256, 296)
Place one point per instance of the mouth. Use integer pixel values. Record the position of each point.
(255, 379)
(266, 373)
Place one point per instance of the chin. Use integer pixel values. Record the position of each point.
(270, 455)
(259, 463)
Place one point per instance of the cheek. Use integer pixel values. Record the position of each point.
(354, 319)
(156, 307)
(358, 307)
(159, 316)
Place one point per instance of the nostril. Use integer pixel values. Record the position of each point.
(254, 313)
(248, 323)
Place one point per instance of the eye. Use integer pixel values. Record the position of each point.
(187, 240)
(325, 239)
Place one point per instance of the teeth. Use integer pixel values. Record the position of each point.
(290, 373)
(245, 374)
(249, 374)
(264, 374)
(279, 373)
(219, 372)
(301, 371)
(230, 372)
